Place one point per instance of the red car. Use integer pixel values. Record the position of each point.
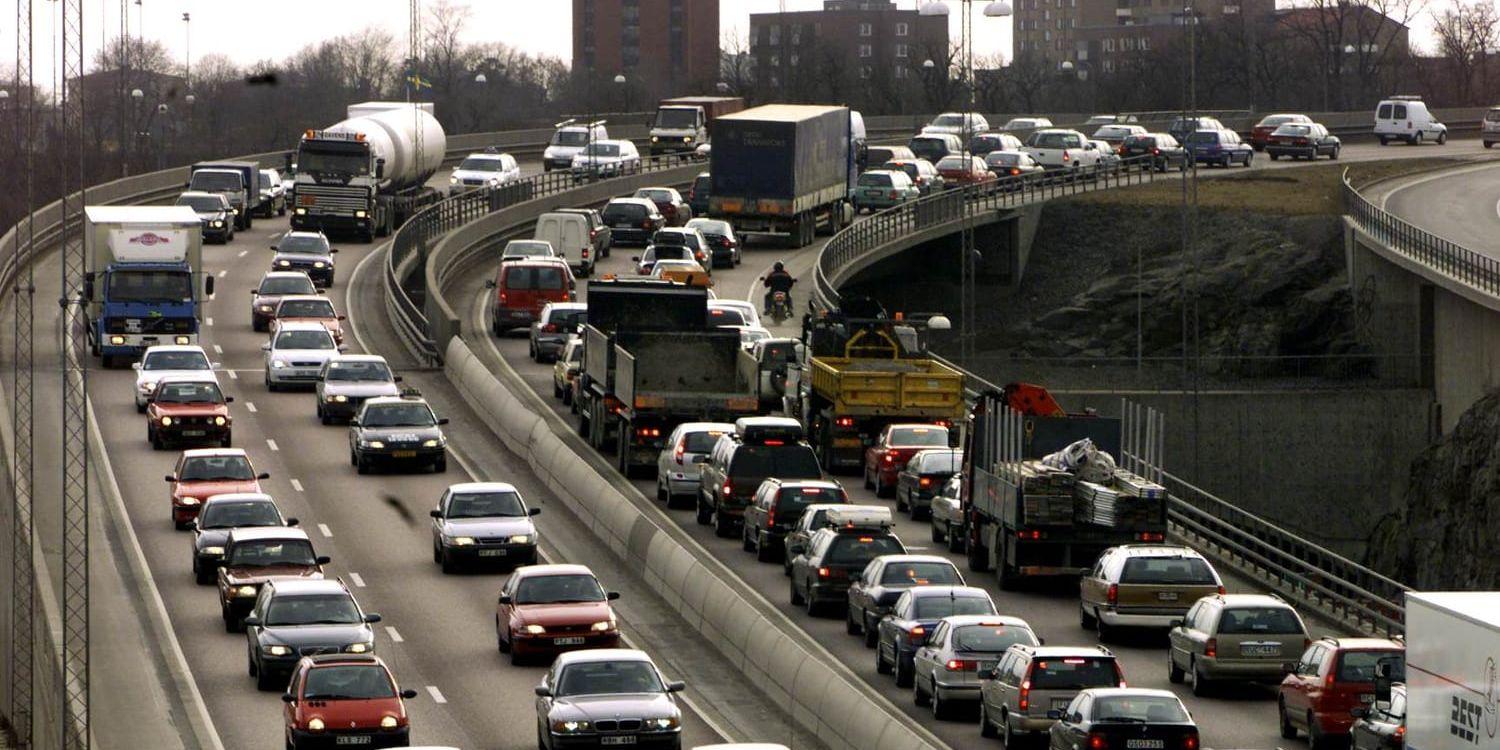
(548, 609)
(189, 410)
(669, 202)
(524, 287)
(257, 554)
(958, 170)
(1333, 676)
(345, 700)
(205, 472)
(1260, 135)
(310, 309)
(896, 445)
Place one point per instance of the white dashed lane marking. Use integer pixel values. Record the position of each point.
(242, 253)
(217, 349)
(323, 528)
(233, 375)
(210, 321)
(358, 582)
(223, 273)
(272, 444)
(296, 485)
(437, 695)
(395, 636)
(250, 406)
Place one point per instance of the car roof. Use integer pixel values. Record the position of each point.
(299, 325)
(358, 358)
(240, 497)
(557, 569)
(308, 586)
(707, 426)
(901, 425)
(284, 275)
(302, 233)
(1005, 620)
(175, 348)
(1055, 652)
(533, 262)
(1137, 691)
(632, 200)
(253, 533)
(382, 400)
(827, 484)
(1252, 600)
(955, 591)
(485, 155)
(567, 305)
(1359, 644)
(305, 298)
(889, 559)
(1157, 550)
(202, 452)
(464, 488)
(602, 654)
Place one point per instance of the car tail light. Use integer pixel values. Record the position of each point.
(1223, 591)
(1156, 152)
(917, 634)
(1031, 535)
(502, 299)
(724, 242)
(771, 516)
(646, 224)
(1301, 141)
(585, 252)
(1329, 680)
(1401, 733)
(1114, 594)
(1189, 742)
(843, 422)
(1098, 741)
(728, 488)
(824, 572)
(593, 233)
(677, 454)
(1066, 157)
(924, 482)
(1211, 649)
(962, 665)
(1014, 171)
(549, 328)
(1024, 698)
(895, 194)
(1150, 536)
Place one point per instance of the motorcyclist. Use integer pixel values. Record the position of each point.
(778, 280)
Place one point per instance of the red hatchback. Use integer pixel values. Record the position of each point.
(188, 410)
(524, 287)
(206, 472)
(345, 700)
(896, 445)
(958, 170)
(1260, 135)
(1333, 676)
(548, 609)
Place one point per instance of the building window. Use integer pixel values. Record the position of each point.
(866, 50)
(901, 72)
(1145, 43)
(1109, 45)
(775, 36)
(902, 29)
(1046, 15)
(794, 59)
(796, 35)
(1047, 35)
(866, 29)
(775, 61)
(901, 50)
(1059, 23)
(1073, 22)
(1129, 44)
(1109, 66)
(865, 71)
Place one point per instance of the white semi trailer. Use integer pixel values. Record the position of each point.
(1453, 670)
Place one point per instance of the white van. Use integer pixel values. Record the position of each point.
(1406, 118)
(1491, 127)
(569, 235)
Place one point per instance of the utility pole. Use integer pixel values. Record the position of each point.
(22, 533)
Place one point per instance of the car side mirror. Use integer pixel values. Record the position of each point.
(489, 283)
(533, 511)
(229, 399)
(265, 347)
(435, 513)
(354, 422)
(408, 694)
(208, 285)
(1359, 712)
(397, 379)
(612, 596)
(442, 420)
(505, 599)
(135, 365)
(635, 259)
(372, 617)
(1055, 714)
(252, 620)
(273, 247)
(676, 686)
(380, 169)
(343, 348)
(288, 698)
(263, 475)
(171, 478)
(342, 317)
(542, 691)
(323, 560)
(292, 522)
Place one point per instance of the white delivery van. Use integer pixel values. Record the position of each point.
(1406, 118)
(569, 235)
(1453, 670)
(1491, 127)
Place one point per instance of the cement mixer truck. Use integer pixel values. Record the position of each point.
(368, 174)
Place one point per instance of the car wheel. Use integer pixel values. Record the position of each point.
(919, 696)
(705, 513)
(501, 645)
(872, 634)
(763, 550)
(1288, 731)
(723, 526)
(1274, 157)
(882, 489)
(361, 465)
(1383, 140)
(446, 560)
(1175, 674)
(850, 626)
(869, 485)
(795, 595)
(1007, 735)
(986, 727)
(661, 493)
(880, 666)
(1249, 157)
(1106, 631)
(813, 608)
(940, 707)
(140, 407)
(440, 465)
(937, 536)
(1416, 140)
(1086, 620)
(1315, 737)
(531, 351)
(1335, 155)
(903, 674)
(901, 507)
(745, 542)
(1200, 683)
(203, 575)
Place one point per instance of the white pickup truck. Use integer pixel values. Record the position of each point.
(1059, 148)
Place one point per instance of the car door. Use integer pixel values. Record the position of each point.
(1070, 732)
(1178, 638)
(1295, 686)
(886, 643)
(929, 655)
(1092, 585)
(860, 599)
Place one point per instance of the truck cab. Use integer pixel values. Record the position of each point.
(681, 124)
(231, 184)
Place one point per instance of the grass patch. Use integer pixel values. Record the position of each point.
(1302, 191)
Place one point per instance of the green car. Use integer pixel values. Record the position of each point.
(883, 188)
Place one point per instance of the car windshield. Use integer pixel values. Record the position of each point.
(348, 682)
(216, 468)
(607, 677)
(726, 316)
(785, 461)
(303, 243)
(1003, 158)
(676, 117)
(230, 514)
(330, 609)
(558, 589)
(936, 437)
(203, 204)
(482, 164)
(415, 414)
(533, 277)
(570, 138)
(991, 638)
(189, 393)
(1174, 571)
(875, 179)
(1056, 140)
(217, 181)
(318, 339)
(527, 249)
(259, 553)
(941, 462)
(1074, 673)
(793, 499)
(860, 550)
(175, 361)
(602, 149)
(287, 285)
(950, 120)
(1259, 621)
(1139, 709)
(149, 286)
(358, 371)
(919, 573)
(306, 308)
(938, 607)
(1359, 666)
(485, 505)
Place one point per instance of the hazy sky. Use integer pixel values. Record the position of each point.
(277, 28)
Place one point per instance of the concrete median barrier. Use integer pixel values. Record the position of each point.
(820, 694)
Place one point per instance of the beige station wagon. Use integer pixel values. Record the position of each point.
(1141, 585)
(1235, 637)
(1029, 681)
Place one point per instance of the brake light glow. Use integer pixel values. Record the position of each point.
(925, 482)
(502, 299)
(917, 633)
(1075, 661)
(1098, 742)
(1014, 171)
(1033, 535)
(586, 252)
(961, 665)
(774, 442)
(728, 488)
(1223, 591)
(677, 454)
(1190, 742)
(1156, 152)
(549, 328)
(843, 422)
(1150, 536)
(771, 516)
(1211, 649)
(1024, 699)
(1065, 156)
(890, 458)
(824, 572)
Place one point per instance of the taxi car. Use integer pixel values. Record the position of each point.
(397, 429)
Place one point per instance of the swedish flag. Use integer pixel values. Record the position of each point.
(417, 82)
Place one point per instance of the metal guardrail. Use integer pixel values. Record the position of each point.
(1464, 266)
(405, 284)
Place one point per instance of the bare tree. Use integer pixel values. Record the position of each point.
(1466, 35)
(1363, 40)
(736, 67)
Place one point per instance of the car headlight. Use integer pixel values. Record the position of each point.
(462, 541)
(452, 180)
(301, 212)
(359, 214)
(220, 421)
(117, 340)
(213, 551)
(687, 139)
(360, 648)
(535, 629)
(314, 724)
(244, 591)
(319, 264)
(182, 341)
(336, 399)
(143, 387)
(494, 181)
(218, 223)
(284, 263)
(568, 727)
(655, 139)
(388, 722)
(188, 500)
(521, 539)
(667, 723)
(234, 211)
(275, 650)
(277, 364)
(264, 308)
(603, 626)
(376, 444)
(431, 443)
(166, 421)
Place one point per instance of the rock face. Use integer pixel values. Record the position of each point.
(1448, 534)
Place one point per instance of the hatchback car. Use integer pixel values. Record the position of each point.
(395, 431)
(524, 287)
(834, 556)
(1235, 637)
(348, 380)
(1380, 726)
(632, 220)
(1303, 140)
(292, 618)
(947, 668)
(922, 477)
(960, 170)
(1018, 697)
(912, 618)
(775, 509)
(1147, 586)
(874, 593)
(555, 324)
(222, 514)
(607, 696)
(1026, 123)
(1333, 677)
(565, 370)
(1260, 135)
(296, 354)
(545, 610)
(1221, 147)
(307, 252)
(1123, 717)
(189, 410)
(669, 202)
(662, 247)
(163, 361)
(723, 246)
(758, 449)
(345, 700)
(958, 123)
(253, 556)
(204, 472)
(310, 308)
(881, 188)
(680, 462)
(922, 173)
(895, 446)
(273, 286)
(606, 159)
(1162, 149)
(480, 522)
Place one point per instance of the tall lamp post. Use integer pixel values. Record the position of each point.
(136, 95)
(968, 267)
(624, 92)
(187, 35)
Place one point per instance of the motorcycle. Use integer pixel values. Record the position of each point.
(780, 310)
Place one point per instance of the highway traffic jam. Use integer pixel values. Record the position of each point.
(730, 403)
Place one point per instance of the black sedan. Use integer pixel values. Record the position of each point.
(1123, 718)
(604, 697)
(1303, 140)
(307, 252)
(393, 430)
(880, 585)
(295, 617)
(1164, 150)
(222, 514)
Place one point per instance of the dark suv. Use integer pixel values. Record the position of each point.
(777, 507)
(835, 556)
(759, 448)
(1164, 149)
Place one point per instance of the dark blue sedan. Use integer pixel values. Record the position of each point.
(1221, 147)
(912, 619)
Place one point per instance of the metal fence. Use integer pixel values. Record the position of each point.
(1475, 270)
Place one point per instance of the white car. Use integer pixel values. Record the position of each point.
(1059, 148)
(677, 471)
(1107, 154)
(1027, 123)
(746, 310)
(523, 249)
(296, 354)
(1406, 118)
(958, 123)
(606, 159)
(480, 171)
(568, 140)
(164, 361)
(273, 195)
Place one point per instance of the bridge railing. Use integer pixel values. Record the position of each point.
(1475, 270)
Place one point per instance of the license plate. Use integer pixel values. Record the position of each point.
(1366, 697)
(627, 739)
(623, 225)
(1143, 744)
(570, 641)
(985, 667)
(492, 553)
(1167, 596)
(1266, 650)
(405, 454)
(194, 433)
(352, 740)
(847, 442)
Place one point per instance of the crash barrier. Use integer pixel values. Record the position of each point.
(820, 693)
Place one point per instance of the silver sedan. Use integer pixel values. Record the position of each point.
(961, 648)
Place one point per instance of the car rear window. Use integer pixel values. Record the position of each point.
(701, 442)
(936, 437)
(991, 638)
(724, 316)
(1056, 140)
(919, 573)
(784, 461)
(1203, 137)
(628, 211)
(1359, 666)
(851, 550)
(533, 277)
(1176, 571)
(1137, 709)
(938, 607)
(943, 462)
(1259, 621)
(1384, 112)
(569, 320)
(875, 179)
(1074, 673)
(794, 499)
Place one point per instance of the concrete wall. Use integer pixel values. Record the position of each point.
(1466, 353)
(1325, 463)
(1391, 315)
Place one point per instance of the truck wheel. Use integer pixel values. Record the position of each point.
(979, 557)
(622, 450)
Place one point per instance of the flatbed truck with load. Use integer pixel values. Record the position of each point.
(1025, 517)
(783, 169)
(684, 123)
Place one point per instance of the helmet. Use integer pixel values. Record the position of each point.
(779, 266)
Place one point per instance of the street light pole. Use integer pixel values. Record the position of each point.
(187, 33)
